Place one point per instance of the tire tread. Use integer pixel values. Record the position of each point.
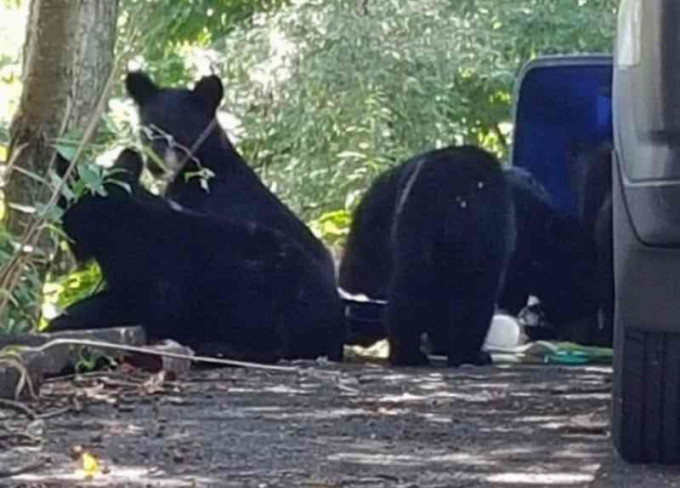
(646, 400)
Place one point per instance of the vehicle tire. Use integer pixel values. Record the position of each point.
(646, 397)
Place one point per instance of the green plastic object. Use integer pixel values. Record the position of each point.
(570, 353)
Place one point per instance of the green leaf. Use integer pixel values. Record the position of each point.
(67, 151)
(66, 190)
(92, 176)
(51, 213)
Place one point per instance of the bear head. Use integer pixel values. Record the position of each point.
(174, 121)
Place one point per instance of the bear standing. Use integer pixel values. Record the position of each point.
(446, 218)
(552, 257)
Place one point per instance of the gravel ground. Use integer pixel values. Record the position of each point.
(324, 425)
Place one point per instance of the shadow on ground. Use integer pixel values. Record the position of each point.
(329, 425)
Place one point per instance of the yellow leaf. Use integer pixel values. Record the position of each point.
(3, 154)
(90, 465)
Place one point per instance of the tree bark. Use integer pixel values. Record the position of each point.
(93, 58)
(47, 78)
(68, 57)
(92, 63)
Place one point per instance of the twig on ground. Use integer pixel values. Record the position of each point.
(18, 407)
(55, 413)
(152, 352)
(332, 375)
(13, 360)
(114, 383)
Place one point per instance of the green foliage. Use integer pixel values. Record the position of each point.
(89, 360)
(30, 292)
(62, 291)
(5, 61)
(10, 3)
(4, 142)
(76, 285)
(330, 93)
(332, 227)
(25, 296)
(88, 177)
(168, 26)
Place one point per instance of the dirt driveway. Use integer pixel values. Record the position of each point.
(325, 425)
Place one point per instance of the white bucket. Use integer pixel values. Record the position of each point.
(505, 332)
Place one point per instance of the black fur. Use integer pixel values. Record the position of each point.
(221, 286)
(445, 218)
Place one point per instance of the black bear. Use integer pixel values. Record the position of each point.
(441, 226)
(604, 231)
(532, 211)
(552, 257)
(595, 182)
(181, 128)
(220, 286)
(554, 260)
(367, 262)
(595, 210)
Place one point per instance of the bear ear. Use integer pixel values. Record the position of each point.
(140, 87)
(210, 89)
(132, 162)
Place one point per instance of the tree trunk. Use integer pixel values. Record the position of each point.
(68, 57)
(47, 78)
(93, 57)
(93, 62)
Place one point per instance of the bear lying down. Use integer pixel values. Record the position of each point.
(222, 287)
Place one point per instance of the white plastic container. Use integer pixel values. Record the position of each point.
(505, 333)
